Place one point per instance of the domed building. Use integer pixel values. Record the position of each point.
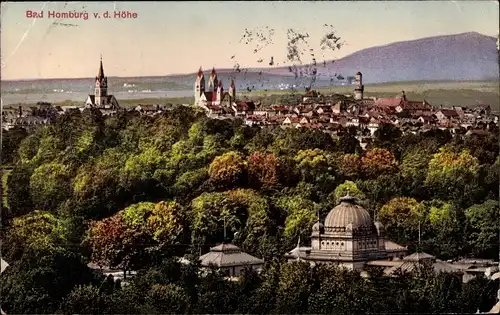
(348, 237)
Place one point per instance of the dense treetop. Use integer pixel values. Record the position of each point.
(131, 191)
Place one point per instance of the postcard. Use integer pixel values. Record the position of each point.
(221, 157)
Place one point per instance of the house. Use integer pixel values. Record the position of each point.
(373, 125)
(243, 108)
(230, 259)
(483, 109)
(446, 114)
(148, 109)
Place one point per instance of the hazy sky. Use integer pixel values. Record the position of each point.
(179, 37)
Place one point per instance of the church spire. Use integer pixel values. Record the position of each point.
(101, 71)
(200, 72)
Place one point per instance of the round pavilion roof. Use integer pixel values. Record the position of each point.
(348, 212)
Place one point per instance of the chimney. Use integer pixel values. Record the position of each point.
(20, 111)
(404, 96)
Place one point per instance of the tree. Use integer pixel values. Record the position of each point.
(301, 214)
(293, 288)
(343, 189)
(311, 164)
(166, 222)
(386, 135)
(122, 241)
(446, 239)
(484, 218)
(228, 169)
(263, 170)
(38, 282)
(10, 144)
(36, 231)
(377, 162)
(414, 171)
(18, 193)
(50, 185)
(401, 217)
(84, 299)
(348, 144)
(450, 172)
(168, 299)
(350, 166)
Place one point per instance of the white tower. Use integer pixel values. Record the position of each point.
(232, 91)
(358, 91)
(220, 92)
(101, 87)
(199, 86)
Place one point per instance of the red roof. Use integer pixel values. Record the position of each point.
(388, 102)
(213, 71)
(200, 72)
(417, 105)
(449, 112)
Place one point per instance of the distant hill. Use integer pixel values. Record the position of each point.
(460, 57)
(467, 56)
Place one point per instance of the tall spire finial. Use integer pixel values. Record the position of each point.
(101, 70)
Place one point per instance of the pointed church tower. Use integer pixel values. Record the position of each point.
(199, 86)
(213, 83)
(220, 93)
(232, 91)
(101, 87)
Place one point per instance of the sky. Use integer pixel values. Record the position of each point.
(179, 37)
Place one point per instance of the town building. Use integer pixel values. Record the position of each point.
(214, 94)
(349, 238)
(358, 91)
(107, 103)
(230, 259)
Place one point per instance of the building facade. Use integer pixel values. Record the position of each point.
(360, 88)
(230, 259)
(214, 94)
(101, 99)
(348, 238)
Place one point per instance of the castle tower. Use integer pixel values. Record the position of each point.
(358, 91)
(232, 91)
(199, 85)
(101, 87)
(220, 92)
(213, 82)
